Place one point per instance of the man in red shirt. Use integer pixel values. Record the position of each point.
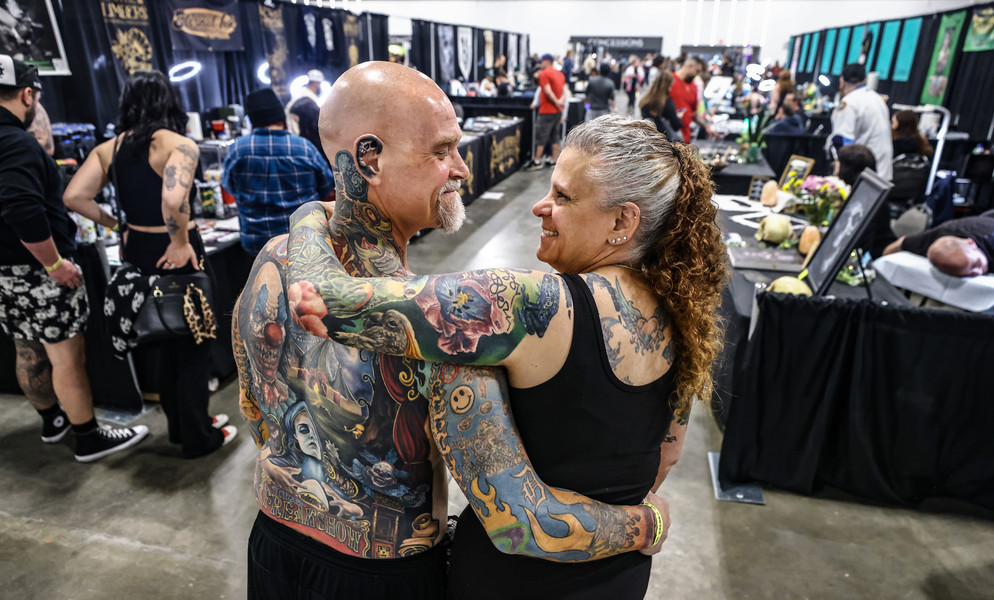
(550, 112)
(684, 95)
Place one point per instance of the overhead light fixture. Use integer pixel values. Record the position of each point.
(766, 85)
(184, 70)
(825, 81)
(262, 73)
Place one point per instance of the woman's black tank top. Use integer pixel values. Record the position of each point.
(139, 186)
(584, 430)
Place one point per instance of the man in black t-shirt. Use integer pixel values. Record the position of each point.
(961, 247)
(42, 298)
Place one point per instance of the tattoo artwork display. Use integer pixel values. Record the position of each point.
(344, 456)
(170, 177)
(631, 332)
(479, 443)
(476, 317)
(469, 316)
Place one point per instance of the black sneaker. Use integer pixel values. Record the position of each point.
(103, 441)
(535, 166)
(54, 429)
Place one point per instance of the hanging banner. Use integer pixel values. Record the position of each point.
(350, 27)
(488, 49)
(127, 27)
(942, 58)
(523, 50)
(274, 41)
(980, 36)
(512, 53)
(200, 25)
(795, 55)
(465, 45)
(446, 53)
(888, 46)
(906, 51)
(28, 30)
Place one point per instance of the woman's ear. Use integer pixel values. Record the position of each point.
(626, 221)
(367, 156)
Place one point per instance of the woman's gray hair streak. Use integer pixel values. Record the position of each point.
(634, 163)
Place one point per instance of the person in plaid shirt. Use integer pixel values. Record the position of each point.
(271, 172)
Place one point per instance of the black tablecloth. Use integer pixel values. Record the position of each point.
(505, 152)
(473, 152)
(887, 402)
(736, 177)
(890, 403)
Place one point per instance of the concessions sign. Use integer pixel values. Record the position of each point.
(200, 25)
(126, 22)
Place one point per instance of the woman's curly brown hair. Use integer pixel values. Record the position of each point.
(678, 243)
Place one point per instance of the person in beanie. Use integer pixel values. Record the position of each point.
(271, 172)
(42, 297)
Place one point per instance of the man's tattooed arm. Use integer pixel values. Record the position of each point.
(247, 403)
(257, 332)
(480, 444)
(476, 317)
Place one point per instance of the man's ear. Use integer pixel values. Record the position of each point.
(367, 155)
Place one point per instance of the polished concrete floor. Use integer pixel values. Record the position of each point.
(145, 524)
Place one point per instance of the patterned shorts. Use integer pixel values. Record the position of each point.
(34, 307)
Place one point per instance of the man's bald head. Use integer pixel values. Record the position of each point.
(378, 98)
(956, 256)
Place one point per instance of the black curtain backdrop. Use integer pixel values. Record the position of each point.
(971, 85)
(420, 53)
(91, 93)
(882, 402)
(971, 97)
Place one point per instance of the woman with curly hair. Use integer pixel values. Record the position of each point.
(155, 165)
(604, 358)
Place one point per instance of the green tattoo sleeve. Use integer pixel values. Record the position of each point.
(480, 444)
(475, 317)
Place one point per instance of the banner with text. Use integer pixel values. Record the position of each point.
(274, 41)
(126, 22)
(199, 25)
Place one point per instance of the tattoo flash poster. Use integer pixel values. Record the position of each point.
(980, 36)
(29, 32)
(128, 28)
(465, 37)
(446, 53)
(512, 53)
(200, 25)
(942, 58)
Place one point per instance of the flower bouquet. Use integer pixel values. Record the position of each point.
(819, 198)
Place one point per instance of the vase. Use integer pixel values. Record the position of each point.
(753, 154)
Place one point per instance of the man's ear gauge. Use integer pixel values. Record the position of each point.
(365, 145)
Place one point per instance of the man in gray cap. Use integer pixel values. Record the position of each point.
(42, 298)
(302, 112)
(862, 117)
(271, 172)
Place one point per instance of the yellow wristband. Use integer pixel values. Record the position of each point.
(57, 264)
(659, 523)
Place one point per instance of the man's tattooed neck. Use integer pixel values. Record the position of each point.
(364, 240)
